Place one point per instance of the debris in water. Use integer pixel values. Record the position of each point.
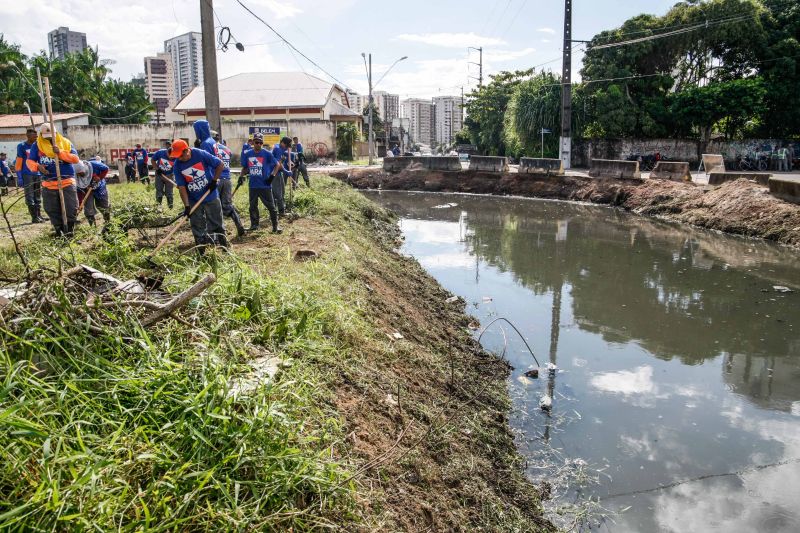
(781, 288)
(546, 403)
(487, 299)
(551, 369)
(452, 299)
(532, 373)
(445, 206)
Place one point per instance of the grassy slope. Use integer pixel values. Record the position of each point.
(139, 427)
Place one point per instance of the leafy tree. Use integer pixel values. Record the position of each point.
(78, 83)
(728, 104)
(535, 104)
(346, 136)
(377, 123)
(486, 108)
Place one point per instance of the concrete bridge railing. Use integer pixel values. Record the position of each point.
(534, 165)
(487, 163)
(612, 168)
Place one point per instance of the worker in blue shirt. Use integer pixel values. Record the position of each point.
(5, 174)
(91, 180)
(29, 179)
(245, 147)
(130, 166)
(218, 149)
(140, 154)
(163, 169)
(281, 153)
(260, 165)
(300, 163)
(197, 172)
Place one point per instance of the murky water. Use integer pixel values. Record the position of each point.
(676, 406)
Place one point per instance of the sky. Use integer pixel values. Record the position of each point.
(435, 35)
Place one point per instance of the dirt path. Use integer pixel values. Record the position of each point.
(739, 207)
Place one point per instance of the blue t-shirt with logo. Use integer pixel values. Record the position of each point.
(67, 170)
(99, 170)
(196, 173)
(260, 166)
(224, 155)
(162, 161)
(141, 155)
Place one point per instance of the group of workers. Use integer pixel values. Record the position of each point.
(63, 190)
(202, 174)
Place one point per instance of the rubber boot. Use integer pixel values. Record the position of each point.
(91, 221)
(222, 241)
(240, 231)
(32, 211)
(106, 217)
(39, 218)
(69, 232)
(275, 227)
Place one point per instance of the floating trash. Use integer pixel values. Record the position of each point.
(445, 206)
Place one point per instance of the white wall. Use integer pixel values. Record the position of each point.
(113, 141)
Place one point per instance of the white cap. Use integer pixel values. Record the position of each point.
(44, 130)
(97, 158)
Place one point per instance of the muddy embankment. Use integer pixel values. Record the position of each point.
(739, 207)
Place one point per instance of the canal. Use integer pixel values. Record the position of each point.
(674, 404)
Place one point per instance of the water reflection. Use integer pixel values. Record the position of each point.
(678, 361)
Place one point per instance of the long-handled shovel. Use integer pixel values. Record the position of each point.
(177, 226)
(58, 159)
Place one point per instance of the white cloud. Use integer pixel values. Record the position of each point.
(451, 40)
(546, 40)
(546, 30)
(508, 55)
(639, 381)
(278, 10)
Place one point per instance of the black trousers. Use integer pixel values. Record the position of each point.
(265, 196)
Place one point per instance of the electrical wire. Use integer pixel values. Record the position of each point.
(293, 47)
(673, 33)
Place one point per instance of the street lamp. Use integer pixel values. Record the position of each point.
(368, 68)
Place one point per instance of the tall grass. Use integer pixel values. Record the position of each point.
(137, 428)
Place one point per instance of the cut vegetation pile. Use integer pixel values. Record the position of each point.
(341, 391)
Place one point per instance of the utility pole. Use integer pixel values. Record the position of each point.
(211, 84)
(370, 107)
(566, 89)
(479, 63)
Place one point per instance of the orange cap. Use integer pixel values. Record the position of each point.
(178, 147)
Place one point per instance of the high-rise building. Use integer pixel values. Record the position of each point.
(62, 42)
(159, 84)
(449, 118)
(187, 62)
(388, 105)
(421, 120)
(355, 101)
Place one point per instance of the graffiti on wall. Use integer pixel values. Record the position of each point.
(320, 149)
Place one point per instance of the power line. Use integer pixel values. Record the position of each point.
(293, 47)
(673, 33)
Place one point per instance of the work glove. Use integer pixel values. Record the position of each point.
(241, 180)
(187, 211)
(212, 186)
